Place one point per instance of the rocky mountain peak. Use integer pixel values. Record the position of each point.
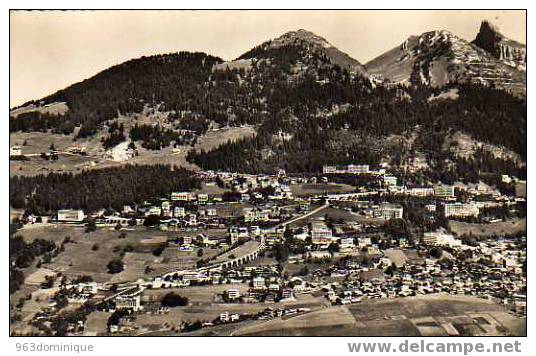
(489, 30)
(301, 35)
(488, 37)
(311, 45)
(508, 51)
(440, 57)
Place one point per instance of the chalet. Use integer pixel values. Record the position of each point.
(259, 283)
(153, 211)
(202, 198)
(179, 212)
(233, 294)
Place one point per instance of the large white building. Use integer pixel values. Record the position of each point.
(251, 214)
(421, 192)
(321, 234)
(444, 191)
(389, 211)
(351, 168)
(15, 151)
(69, 215)
(461, 210)
(130, 300)
(329, 169)
(440, 238)
(182, 196)
(358, 168)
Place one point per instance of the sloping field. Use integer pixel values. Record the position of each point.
(80, 254)
(328, 317)
(320, 188)
(56, 108)
(508, 227)
(438, 315)
(37, 142)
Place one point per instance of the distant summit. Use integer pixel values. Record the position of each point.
(301, 35)
(437, 58)
(508, 51)
(312, 45)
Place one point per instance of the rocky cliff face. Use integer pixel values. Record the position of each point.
(437, 58)
(504, 49)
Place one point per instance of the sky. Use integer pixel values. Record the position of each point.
(50, 50)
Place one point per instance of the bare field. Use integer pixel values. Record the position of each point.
(34, 143)
(207, 142)
(231, 209)
(211, 190)
(213, 139)
(320, 188)
(323, 318)
(96, 323)
(37, 165)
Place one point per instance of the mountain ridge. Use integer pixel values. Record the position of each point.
(307, 106)
(439, 57)
(489, 38)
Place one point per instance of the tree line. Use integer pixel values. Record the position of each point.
(95, 189)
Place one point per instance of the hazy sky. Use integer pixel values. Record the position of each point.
(52, 49)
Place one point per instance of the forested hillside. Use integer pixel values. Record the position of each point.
(357, 134)
(96, 189)
(309, 103)
(171, 81)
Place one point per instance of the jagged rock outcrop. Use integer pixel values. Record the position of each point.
(508, 51)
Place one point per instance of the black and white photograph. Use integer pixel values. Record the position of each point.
(268, 173)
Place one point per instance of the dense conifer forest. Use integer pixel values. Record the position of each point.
(96, 189)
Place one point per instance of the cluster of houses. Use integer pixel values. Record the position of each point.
(492, 270)
(405, 270)
(394, 267)
(194, 209)
(267, 314)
